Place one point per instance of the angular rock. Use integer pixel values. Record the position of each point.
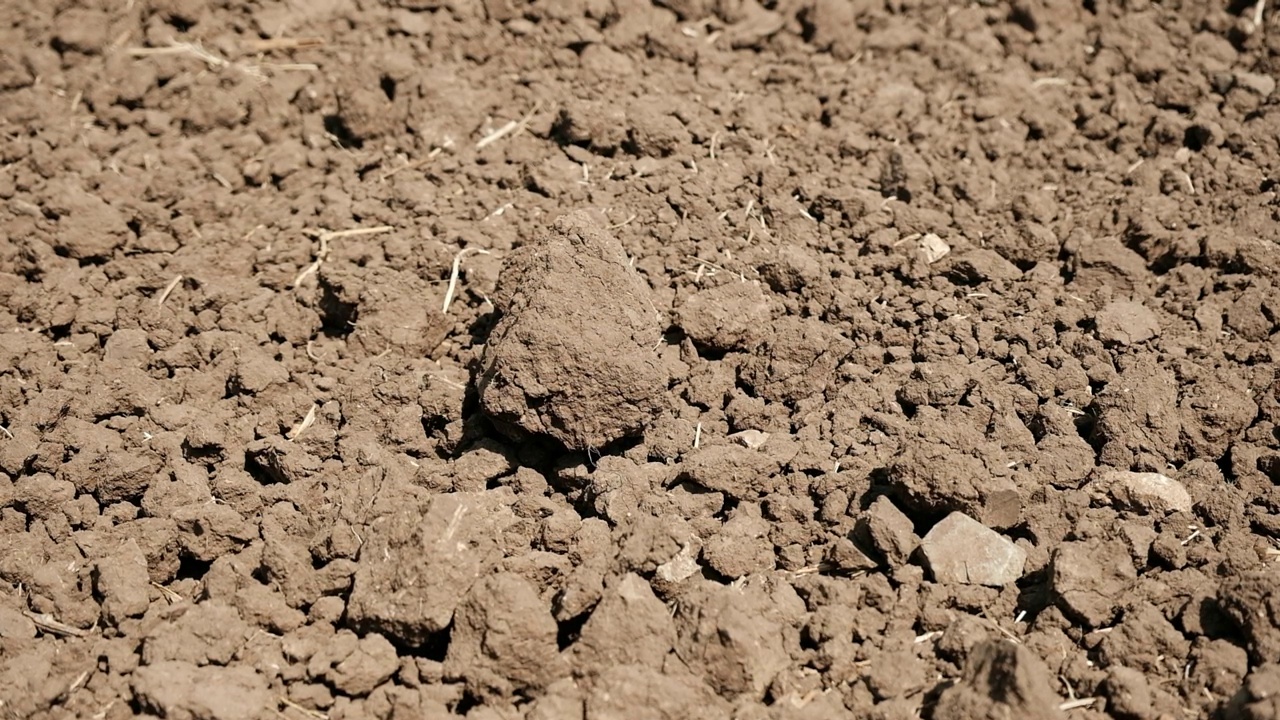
(1090, 579)
(1147, 492)
(541, 373)
(933, 248)
(416, 566)
(1001, 680)
(960, 549)
(504, 639)
(750, 439)
(182, 691)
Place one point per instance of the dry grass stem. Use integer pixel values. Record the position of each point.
(168, 289)
(453, 275)
(507, 129)
(52, 626)
(435, 153)
(284, 43)
(216, 62)
(291, 705)
(170, 596)
(624, 223)
(324, 236)
(302, 425)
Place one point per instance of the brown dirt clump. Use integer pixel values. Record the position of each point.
(574, 354)
(666, 359)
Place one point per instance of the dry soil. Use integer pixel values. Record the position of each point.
(261, 457)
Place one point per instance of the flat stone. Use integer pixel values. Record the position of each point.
(1147, 492)
(751, 439)
(934, 248)
(962, 550)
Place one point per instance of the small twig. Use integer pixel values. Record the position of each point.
(697, 436)
(164, 294)
(302, 425)
(1077, 704)
(324, 237)
(285, 43)
(53, 627)
(321, 255)
(6, 432)
(197, 50)
(78, 682)
(453, 275)
(508, 128)
(1048, 81)
(624, 223)
(435, 153)
(286, 702)
(169, 595)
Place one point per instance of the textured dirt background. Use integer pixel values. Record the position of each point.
(244, 468)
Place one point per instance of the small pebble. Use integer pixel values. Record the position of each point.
(750, 439)
(934, 248)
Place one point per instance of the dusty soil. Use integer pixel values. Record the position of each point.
(753, 297)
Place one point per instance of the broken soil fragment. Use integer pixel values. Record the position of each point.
(1001, 679)
(573, 355)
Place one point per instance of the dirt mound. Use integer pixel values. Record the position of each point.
(631, 358)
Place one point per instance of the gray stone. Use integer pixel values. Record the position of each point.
(1147, 492)
(1261, 84)
(962, 550)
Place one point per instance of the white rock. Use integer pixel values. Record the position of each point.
(962, 550)
(680, 567)
(750, 439)
(934, 248)
(1147, 492)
